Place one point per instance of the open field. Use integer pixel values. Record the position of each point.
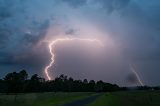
(126, 98)
(129, 98)
(41, 99)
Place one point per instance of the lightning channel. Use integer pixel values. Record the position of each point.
(137, 76)
(52, 44)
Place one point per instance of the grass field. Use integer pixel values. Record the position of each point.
(132, 98)
(128, 98)
(40, 99)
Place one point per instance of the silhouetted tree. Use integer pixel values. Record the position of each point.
(15, 81)
(35, 84)
(19, 82)
(99, 86)
(91, 85)
(23, 75)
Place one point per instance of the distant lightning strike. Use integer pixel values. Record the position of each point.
(136, 74)
(54, 42)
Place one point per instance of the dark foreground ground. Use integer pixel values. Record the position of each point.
(84, 101)
(128, 98)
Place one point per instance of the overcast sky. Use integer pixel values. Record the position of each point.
(129, 30)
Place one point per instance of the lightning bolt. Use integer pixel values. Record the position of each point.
(51, 50)
(134, 71)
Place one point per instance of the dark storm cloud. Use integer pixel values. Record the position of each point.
(133, 24)
(75, 3)
(19, 34)
(4, 37)
(22, 27)
(25, 46)
(111, 5)
(5, 12)
(132, 78)
(33, 37)
(70, 32)
(4, 58)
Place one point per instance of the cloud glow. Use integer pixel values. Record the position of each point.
(54, 42)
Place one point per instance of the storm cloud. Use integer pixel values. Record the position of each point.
(129, 28)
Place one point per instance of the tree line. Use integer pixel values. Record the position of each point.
(19, 82)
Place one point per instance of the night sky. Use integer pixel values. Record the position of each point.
(129, 30)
